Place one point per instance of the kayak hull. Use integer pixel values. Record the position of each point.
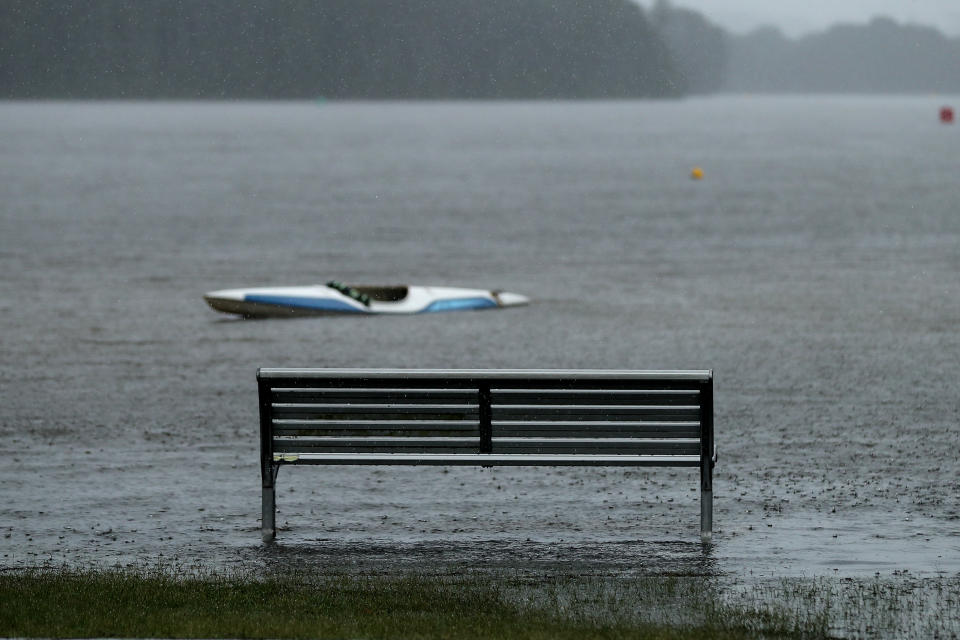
(321, 300)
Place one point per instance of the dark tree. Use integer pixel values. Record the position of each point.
(882, 56)
(331, 48)
(698, 46)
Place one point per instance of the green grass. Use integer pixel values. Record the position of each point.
(158, 603)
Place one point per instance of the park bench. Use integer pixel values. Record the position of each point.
(485, 418)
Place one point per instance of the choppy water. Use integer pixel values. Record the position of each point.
(815, 269)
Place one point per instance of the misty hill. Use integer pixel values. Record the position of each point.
(331, 48)
(880, 57)
(699, 47)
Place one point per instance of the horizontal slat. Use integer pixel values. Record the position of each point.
(683, 441)
(376, 444)
(498, 396)
(505, 428)
(504, 397)
(483, 374)
(377, 390)
(614, 408)
(502, 459)
(594, 412)
(384, 440)
(365, 407)
(545, 391)
(338, 395)
(684, 446)
(372, 411)
(292, 424)
(651, 432)
(365, 428)
(372, 433)
(472, 384)
(597, 428)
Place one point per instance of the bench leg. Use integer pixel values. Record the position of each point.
(706, 515)
(269, 514)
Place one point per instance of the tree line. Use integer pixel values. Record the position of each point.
(332, 49)
(881, 56)
(420, 49)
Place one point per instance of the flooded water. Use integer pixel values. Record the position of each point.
(814, 268)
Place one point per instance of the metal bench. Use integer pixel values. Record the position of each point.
(487, 418)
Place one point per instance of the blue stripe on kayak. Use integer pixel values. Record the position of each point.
(320, 304)
(459, 304)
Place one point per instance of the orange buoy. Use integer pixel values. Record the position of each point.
(696, 173)
(946, 115)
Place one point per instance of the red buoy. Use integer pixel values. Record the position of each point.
(946, 115)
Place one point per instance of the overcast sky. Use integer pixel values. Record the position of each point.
(797, 17)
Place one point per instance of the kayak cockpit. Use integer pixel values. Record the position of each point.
(385, 294)
(366, 294)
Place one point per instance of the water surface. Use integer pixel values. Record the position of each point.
(814, 269)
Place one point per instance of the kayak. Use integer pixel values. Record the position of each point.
(336, 298)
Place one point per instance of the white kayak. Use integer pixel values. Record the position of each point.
(338, 298)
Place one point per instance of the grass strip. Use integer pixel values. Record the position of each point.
(155, 604)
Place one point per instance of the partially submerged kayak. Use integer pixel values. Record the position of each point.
(338, 298)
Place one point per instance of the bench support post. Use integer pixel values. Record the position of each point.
(268, 471)
(269, 513)
(706, 461)
(706, 516)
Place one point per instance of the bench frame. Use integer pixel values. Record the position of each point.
(482, 381)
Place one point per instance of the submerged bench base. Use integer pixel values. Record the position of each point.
(269, 530)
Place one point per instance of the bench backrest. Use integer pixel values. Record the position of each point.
(462, 411)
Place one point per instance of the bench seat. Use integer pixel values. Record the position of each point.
(491, 459)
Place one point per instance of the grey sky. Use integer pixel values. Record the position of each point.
(797, 17)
